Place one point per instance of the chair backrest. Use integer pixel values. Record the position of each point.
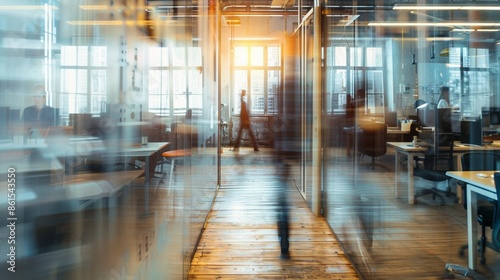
(414, 128)
(373, 139)
(439, 156)
(495, 234)
(480, 160)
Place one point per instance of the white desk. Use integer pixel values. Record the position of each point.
(406, 148)
(475, 185)
(152, 150)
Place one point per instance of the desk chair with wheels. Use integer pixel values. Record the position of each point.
(477, 161)
(373, 141)
(437, 161)
(495, 233)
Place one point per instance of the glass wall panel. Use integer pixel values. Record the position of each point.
(377, 69)
(93, 95)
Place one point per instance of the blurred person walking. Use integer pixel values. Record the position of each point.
(283, 172)
(245, 124)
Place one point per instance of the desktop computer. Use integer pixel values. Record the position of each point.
(471, 132)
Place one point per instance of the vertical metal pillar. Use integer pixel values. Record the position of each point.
(317, 112)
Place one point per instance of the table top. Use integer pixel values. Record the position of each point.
(390, 130)
(483, 179)
(140, 150)
(406, 146)
(458, 147)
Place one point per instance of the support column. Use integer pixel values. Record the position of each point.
(317, 147)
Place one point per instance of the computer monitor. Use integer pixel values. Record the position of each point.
(391, 119)
(494, 115)
(81, 123)
(14, 116)
(4, 123)
(124, 133)
(471, 132)
(426, 114)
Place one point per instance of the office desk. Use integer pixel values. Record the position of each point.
(352, 130)
(150, 151)
(406, 148)
(475, 185)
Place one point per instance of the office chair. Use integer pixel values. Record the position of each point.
(437, 161)
(495, 233)
(186, 131)
(374, 141)
(477, 161)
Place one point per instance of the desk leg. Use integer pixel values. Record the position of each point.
(397, 164)
(472, 227)
(348, 144)
(459, 168)
(146, 186)
(411, 183)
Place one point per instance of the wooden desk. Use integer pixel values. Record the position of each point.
(406, 148)
(475, 185)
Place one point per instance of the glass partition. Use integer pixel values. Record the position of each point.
(391, 60)
(92, 94)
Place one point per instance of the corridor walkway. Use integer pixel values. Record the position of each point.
(240, 240)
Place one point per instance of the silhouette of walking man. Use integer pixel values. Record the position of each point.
(245, 124)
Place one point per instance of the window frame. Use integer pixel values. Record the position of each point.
(251, 69)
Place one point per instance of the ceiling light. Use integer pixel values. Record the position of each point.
(446, 7)
(111, 22)
(232, 21)
(445, 39)
(444, 52)
(283, 3)
(112, 7)
(28, 7)
(433, 24)
(487, 30)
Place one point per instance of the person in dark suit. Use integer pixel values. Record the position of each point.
(245, 124)
(39, 115)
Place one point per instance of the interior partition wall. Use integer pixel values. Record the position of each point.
(122, 63)
(378, 59)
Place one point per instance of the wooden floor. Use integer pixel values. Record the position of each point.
(406, 241)
(240, 240)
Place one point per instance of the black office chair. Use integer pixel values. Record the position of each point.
(477, 161)
(495, 233)
(437, 161)
(374, 141)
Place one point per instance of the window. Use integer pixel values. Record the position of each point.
(258, 69)
(83, 79)
(472, 67)
(174, 80)
(353, 69)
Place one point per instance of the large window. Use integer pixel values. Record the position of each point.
(355, 71)
(83, 79)
(174, 80)
(469, 70)
(258, 69)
